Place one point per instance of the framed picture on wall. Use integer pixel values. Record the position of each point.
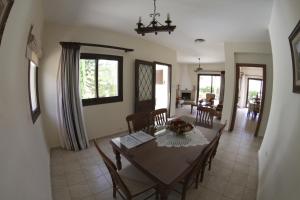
(5, 7)
(294, 39)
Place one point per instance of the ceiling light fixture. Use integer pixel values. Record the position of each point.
(155, 26)
(198, 68)
(199, 40)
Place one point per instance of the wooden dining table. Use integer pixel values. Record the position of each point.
(164, 165)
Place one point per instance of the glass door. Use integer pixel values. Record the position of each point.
(209, 83)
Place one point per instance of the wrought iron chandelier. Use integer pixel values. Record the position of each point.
(155, 26)
(198, 69)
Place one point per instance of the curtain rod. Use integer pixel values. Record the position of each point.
(98, 45)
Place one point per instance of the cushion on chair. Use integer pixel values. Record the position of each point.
(210, 97)
(135, 180)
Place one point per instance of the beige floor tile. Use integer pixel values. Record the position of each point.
(75, 177)
(216, 184)
(98, 184)
(234, 191)
(79, 191)
(61, 194)
(59, 182)
(249, 194)
(238, 178)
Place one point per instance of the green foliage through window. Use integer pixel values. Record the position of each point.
(99, 78)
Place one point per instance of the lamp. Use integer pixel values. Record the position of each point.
(155, 26)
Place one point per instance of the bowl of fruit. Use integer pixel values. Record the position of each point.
(179, 126)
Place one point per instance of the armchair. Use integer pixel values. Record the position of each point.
(209, 100)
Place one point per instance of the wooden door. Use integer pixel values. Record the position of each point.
(144, 86)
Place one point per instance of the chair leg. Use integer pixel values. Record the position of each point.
(156, 194)
(197, 180)
(209, 163)
(202, 173)
(183, 194)
(114, 190)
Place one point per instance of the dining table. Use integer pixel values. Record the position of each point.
(165, 165)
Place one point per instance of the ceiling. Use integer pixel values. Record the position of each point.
(217, 21)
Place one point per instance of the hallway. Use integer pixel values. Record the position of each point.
(245, 123)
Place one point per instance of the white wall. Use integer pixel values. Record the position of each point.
(252, 53)
(188, 78)
(105, 119)
(279, 160)
(24, 168)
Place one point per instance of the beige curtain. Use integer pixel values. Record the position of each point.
(72, 134)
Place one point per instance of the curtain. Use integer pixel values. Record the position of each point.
(72, 129)
(222, 89)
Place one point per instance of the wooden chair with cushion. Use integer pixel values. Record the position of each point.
(138, 121)
(205, 116)
(128, 182)
(158, 118)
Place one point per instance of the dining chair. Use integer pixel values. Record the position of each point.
(158, 118)
(204, 116)
(138, 121)
(193, 174)
(129, 182)
(214, 151)
(203, 163)
(209, 155)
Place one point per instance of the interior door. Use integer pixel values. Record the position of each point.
(144, 86)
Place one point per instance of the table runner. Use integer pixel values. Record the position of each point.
(167, 138)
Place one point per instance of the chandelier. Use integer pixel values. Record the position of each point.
(198, 69)
(154, 26)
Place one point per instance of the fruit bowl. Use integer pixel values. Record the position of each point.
(179, 126)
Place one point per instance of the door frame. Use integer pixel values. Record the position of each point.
(170, 82)
(248, 79)
(236, 94)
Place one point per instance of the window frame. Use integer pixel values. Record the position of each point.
(211, 83)
(104, 100)
(34, 113)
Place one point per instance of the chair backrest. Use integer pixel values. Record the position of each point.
(138, 121)
(205, 116)
(197, 165)
(210, 97)
(159, 117)
(116, 179)
(218, 139)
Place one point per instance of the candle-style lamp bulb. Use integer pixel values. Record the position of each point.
(140, 19)
(168, 16)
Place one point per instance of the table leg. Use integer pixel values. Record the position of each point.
(118, 159)
(164, 193)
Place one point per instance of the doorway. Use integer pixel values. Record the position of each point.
(163, 85)
(250, 89)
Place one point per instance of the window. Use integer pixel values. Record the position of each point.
(33, 91)
(209, 84)
(101, 79)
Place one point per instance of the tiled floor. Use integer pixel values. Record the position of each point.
(82, 175)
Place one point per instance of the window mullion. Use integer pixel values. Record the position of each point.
(96, 74)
